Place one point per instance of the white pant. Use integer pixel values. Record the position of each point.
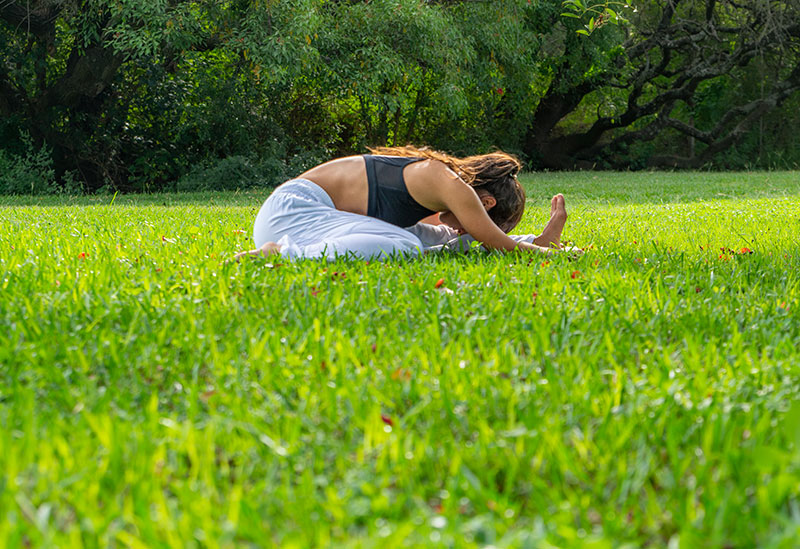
(300, 216)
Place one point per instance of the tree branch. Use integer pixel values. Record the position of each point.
(673, 59)
(37, 18)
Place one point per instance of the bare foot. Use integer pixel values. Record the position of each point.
(551, 235)
(268, 249)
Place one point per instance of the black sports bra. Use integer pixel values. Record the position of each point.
(388, 197)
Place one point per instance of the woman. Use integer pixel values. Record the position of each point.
(359, 205)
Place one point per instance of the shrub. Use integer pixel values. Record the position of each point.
(28, 173)
(234, 172)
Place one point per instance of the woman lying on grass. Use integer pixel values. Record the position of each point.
(359, 205)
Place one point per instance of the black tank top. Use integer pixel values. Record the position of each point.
(388, 197)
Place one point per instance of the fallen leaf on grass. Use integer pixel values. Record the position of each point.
(401, 374)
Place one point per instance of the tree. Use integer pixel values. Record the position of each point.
(111, 86)
(670, 53)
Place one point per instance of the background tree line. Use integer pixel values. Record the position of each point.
(198, 94)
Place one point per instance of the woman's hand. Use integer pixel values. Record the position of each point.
(571, 252)
(536, 248)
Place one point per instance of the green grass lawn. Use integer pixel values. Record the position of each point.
(647, 393)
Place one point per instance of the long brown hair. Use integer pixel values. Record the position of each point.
(495, 173)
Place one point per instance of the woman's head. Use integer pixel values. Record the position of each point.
(494, 174)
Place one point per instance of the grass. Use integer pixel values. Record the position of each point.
(644, 394)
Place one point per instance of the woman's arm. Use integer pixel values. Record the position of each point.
(436, 238)
(437, 187)
(463, 202)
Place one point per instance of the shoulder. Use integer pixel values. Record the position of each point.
(433, 171)
(434, 185)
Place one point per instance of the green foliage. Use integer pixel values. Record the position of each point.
(386, 67)
(28, 173)
(597, 13)
(644, 394)
(133, 96)
(202, 81)
(233, 173)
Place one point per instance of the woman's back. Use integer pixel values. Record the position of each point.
(384, 187)
(345, 181)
